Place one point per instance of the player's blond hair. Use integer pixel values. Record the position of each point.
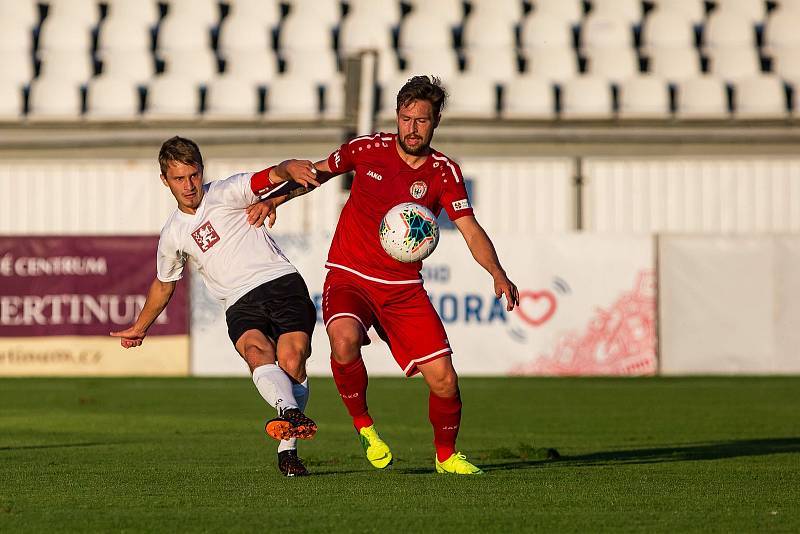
(181, 150)
(423, 88)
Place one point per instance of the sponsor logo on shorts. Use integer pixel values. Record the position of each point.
(205, 236)
(418, 189)
(461, 204)
(373, 174)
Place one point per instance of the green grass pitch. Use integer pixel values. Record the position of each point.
(190, 455)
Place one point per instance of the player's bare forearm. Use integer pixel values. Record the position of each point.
(158, 296)
(303, 175)
(483, 251)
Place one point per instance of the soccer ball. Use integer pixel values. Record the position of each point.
(409, 232)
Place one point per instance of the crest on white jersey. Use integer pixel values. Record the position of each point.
(418, 189)
(205, 236)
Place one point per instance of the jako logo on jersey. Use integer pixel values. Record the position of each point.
(418, 189)
(205, 236)
(461, 204)
(373, 174)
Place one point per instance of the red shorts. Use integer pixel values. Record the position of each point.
(402, 315)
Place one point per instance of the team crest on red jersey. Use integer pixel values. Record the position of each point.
(418, 189)
(205, 236)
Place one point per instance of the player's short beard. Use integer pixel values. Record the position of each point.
(418, 151)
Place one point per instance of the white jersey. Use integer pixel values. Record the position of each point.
(231, 255)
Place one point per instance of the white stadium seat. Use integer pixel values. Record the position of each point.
(630, 11)
(292, 99)
(74, 68)
(441, 61)
(644, 97)
(231, 98)
(780, 30)
(612, 63)
(555, 64)
(136, 12)
(121, 34)
(786, 64)
(388, 66)
(52, 99)
(754, 10)
(170, 98)
(449, 11)
(240, 35)
(357, 33)
(693, 11)
(324, 12)
(24, 13)
(728, 29)
(702, 98)
(136, 66)
(193, 66)
(471, 97)
(109, 98)
(570, 11)
(605, 30)
(256, 66)
(760, 97)
(10, 101)
(203, 13)
(83, 14)
(265, 12)
(734, 63)
(488, 30)
(509, 10)
(62, 34)
(303, 33)
(528, 97)
(16, 67)
(545, 30)
(421, 30)
(499, 65)
(666, 29)
(314, 66)
(383, 13)
(674, 63)
(15, 38)
(172, 35)
(586, 97)
(334, 98)
(389, 90)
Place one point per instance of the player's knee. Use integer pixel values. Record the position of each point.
(444, 385)
(293, 361)
(345, 344)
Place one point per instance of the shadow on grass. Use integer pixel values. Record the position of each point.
(679, 453)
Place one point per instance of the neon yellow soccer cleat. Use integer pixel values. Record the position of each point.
(457, 464)
(376, 449)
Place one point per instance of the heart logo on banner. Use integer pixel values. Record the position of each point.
(536, 307)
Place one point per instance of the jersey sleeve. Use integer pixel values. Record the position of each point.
(170, 260)
(455, 199)
(342, 159)
(243, 189)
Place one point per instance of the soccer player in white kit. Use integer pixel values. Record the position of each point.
(269, 313)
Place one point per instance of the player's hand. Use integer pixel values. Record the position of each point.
(260, 211)
(301, 171)
(504, 286)
(132, 337)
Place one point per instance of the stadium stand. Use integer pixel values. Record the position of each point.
(515, 45)
(109, 98)
(702, 98)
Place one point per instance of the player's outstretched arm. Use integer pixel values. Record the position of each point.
(485, 254)
(304, 177)
(158, 297)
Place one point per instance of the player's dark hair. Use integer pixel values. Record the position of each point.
(423, 88)
(181, 150)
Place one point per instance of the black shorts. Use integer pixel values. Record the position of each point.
(276, 307)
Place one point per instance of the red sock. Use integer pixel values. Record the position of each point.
(445, 416)
(351, 381)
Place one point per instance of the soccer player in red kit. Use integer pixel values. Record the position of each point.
(366, 288)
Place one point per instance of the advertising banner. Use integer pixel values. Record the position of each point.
(60, 296)
(587, 308)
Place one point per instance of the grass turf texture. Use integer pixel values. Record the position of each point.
(169, 455)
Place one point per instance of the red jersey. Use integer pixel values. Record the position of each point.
(382, 180)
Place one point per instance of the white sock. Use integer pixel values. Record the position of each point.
(301, 392)
(275, 386)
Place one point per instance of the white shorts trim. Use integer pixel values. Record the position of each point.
(424, 359)
(353, 315)
(372, 278)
